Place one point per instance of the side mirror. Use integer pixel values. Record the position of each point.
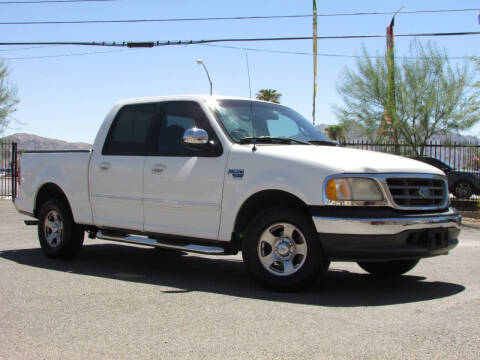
(195, 137)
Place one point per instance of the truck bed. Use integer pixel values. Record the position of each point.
(67, 169)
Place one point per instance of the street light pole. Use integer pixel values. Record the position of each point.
(200, 62)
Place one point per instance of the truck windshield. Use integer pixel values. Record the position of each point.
(270, 121)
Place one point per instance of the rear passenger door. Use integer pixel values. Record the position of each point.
(183, 186)
(117, 172)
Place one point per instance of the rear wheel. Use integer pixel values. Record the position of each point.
(59, 236)
(282, 251)
(389, 268)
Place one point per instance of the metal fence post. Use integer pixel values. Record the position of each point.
(14, 171)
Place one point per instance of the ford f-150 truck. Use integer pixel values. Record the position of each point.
(218, 175)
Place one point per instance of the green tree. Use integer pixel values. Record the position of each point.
(269, 95)
(432, 97)
(336, 132)
(476, 60)
(8, 98)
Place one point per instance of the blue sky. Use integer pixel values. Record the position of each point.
(68, 97)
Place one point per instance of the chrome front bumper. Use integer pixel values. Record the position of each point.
(386, 226)
(387, 236)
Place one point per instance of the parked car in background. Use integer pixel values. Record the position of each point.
(461, 183)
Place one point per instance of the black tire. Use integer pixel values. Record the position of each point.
(463, 190)
(389, 268)
(59, 236)
(303, 263)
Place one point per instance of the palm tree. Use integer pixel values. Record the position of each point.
(269, 95)
(336, 132)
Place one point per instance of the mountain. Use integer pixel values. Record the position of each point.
(355, 135)
(452, 137)
(34, 142)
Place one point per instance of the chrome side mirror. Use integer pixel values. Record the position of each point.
(195, 137)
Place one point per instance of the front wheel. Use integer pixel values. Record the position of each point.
(389, 268)
(59, 236)
(282, 251)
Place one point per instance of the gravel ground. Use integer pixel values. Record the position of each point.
(127, 302)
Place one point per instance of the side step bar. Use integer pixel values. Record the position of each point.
(142, 240)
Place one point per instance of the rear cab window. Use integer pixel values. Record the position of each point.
(130, 130)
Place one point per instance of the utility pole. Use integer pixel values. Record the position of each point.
(314, 58)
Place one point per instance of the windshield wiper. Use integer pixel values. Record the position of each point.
(271, 139)
(323, 142)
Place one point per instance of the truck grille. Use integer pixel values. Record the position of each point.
(417, 192)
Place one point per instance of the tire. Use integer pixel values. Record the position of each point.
(281, 250)
(463, 190)
(59, 236)
(389, 268)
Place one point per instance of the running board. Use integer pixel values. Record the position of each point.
(142, 240)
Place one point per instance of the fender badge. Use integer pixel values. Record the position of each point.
(236, 173)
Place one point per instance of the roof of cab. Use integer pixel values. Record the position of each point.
(206, 98)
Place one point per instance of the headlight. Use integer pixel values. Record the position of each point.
(352, 189)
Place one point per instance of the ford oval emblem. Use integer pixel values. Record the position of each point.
(424, 192)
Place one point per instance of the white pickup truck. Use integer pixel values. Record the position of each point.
(218, 175)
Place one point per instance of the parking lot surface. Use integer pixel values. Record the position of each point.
(124, 302)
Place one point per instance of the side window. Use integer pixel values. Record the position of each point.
(179, 116)
(128, 134)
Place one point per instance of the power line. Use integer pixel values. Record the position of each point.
(195, 42)
(29, 48)
(203, 43)
(219, 46)
(268, 51)
(62, 55)
(50, 1)
(397, 12)
(219, 18)
(318, 54)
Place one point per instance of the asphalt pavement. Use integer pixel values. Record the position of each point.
(126, 302)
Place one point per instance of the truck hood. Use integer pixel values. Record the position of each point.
(347, 160)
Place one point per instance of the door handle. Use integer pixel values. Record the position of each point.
(158, 169)
(104, 166)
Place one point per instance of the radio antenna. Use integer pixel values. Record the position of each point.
(251, 104)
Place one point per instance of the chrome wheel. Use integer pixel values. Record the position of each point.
(282, 249)
(53, 228)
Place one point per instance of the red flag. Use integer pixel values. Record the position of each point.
(390, 35)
